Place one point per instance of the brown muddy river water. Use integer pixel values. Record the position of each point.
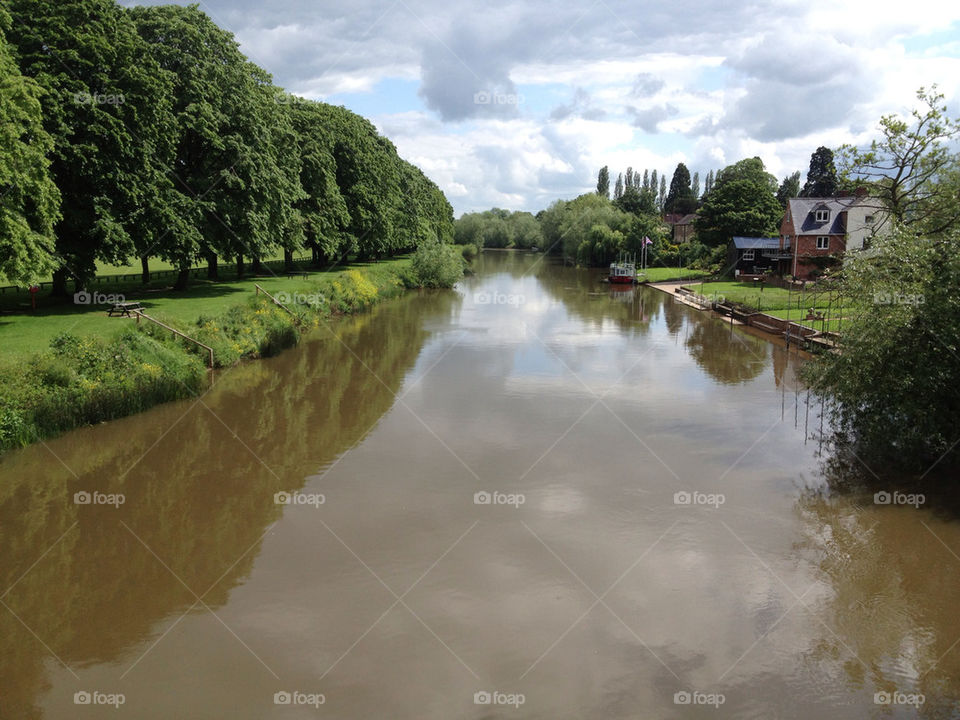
(534, 497)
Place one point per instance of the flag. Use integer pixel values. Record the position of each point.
(647, 241)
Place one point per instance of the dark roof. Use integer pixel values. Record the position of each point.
(748, 243)
(804, 221)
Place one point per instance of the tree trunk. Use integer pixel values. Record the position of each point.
(288, 260)
(213, 271)
(60, 282)
(145, 270)
(314, 255)
(183, 278)
(239, 265)
(257, 266)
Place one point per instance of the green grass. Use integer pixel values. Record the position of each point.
(24, 333)
(834, 324)
(779, 302)
(767, 298)
(661, 274)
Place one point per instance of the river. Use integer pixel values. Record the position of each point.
(532, 497)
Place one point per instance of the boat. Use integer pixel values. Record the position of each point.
(624, 271)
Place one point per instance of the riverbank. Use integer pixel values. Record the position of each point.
(96, 368)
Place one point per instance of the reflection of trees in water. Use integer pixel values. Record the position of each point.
(895, 590)
(586, 297)
(728, 356)
(198, 499)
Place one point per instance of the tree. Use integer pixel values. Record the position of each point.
(646, 179)
(29, 199)
(653, 182)
(618, 188)
(637, 202)
(628, 178)
(789, 188)
(897, 381)
(603, 182)
(910, 169)
(821, 176)
(708, 183)
(695, 186)
(741, 202)
(680, 198)
(106, 104)
(662, 197)
(236, 160)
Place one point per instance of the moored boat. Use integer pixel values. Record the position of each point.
(624, 270)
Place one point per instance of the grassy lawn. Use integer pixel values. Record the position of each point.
(762, 298)
(835, 323)
(789, 305)
(23, 332)
(660, 274)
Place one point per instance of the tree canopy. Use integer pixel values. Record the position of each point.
(911, 168)
(821, 176)
(29, 199)
(897, 382)
(680, 198)
(145, 132)
(741, 201)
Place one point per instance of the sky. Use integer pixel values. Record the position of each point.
(517, 104)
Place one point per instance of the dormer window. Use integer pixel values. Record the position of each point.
(822, 215)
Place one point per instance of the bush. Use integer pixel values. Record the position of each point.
(436, 265)
(896, 381)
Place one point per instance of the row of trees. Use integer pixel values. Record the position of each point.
(145, 132)
(647, 191)
(498, 228)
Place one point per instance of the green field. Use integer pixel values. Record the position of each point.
(24, 332)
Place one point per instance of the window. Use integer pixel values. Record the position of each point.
(822, 215)
(823, 242)
(747, 255)
(868, 219)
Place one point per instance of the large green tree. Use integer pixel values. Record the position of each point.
(821, 175)
(896, 382)
(603, 182)
(106, 104)
(911, 168)
(742, 201)
(236, 164)
(29, 199)
(637, 202)
(680, 198)
(789, 188)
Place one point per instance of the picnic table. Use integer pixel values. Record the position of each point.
(123, 309)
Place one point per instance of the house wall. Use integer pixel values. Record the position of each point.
(806, 246)
(858, 229)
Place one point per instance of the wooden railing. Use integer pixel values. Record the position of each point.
(141, 314)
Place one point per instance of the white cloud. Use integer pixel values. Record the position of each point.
(624, 82)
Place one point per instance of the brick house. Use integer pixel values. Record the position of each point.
(826, 228)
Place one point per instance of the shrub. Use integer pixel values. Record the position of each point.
(436, 265)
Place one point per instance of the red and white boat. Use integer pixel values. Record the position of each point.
(624, 271)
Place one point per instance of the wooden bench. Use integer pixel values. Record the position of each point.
(123, 309)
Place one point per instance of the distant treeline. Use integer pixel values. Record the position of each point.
(144, 132)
